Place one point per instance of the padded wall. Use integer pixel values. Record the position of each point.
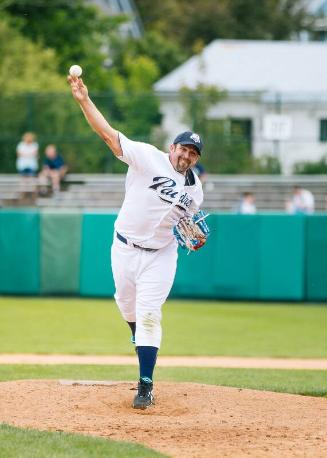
(247, 257)
(19, 252)
(195, 270)
(95, 275)
(261, 257)
(316, 262)
(282, 257)
(60, 252)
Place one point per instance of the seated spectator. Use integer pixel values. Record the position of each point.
(247, 204)
(302, 202)
(27, 155)
(54, 168)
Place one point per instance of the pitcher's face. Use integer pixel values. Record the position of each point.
(183, 157)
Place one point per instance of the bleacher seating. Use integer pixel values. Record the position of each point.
(106, 191)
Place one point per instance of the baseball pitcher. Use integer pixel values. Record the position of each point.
(160, 211)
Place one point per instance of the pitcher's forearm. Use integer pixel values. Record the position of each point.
(101, 126)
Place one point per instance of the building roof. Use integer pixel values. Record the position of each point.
(316, 6)
(248, 66)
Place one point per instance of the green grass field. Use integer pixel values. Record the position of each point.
(82, 326)
(21, 443)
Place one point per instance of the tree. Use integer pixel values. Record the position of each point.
(134, 105)
(165, 52)
(197, 102)
(268, 19)
(26, 66)
(201, 21)
(78, 32)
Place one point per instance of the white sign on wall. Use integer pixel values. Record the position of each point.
(277, 127)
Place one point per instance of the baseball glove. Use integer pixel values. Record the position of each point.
(192, 232)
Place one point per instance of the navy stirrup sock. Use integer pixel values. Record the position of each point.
(147, 359)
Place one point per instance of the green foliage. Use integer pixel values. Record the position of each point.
(196, 103)
(205, 20)
(268, 19)
(134, 108)
(232, 155)
(311, 168)
(224, 153)
(77, 31)
(26, 66)
(266, 165)
(56, 118)
(162, 50)
(45, 38)
(130, 106)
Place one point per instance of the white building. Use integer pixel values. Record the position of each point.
(262, 78)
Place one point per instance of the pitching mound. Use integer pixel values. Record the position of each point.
(189, 420)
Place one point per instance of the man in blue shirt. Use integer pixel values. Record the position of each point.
(54, 168)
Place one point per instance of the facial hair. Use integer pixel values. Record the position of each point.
(181, 168)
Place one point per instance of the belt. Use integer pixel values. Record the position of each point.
(124, 240)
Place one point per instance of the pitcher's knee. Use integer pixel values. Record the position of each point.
(148, 329)
(127, 308)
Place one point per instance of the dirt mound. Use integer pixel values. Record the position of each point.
(188, 420)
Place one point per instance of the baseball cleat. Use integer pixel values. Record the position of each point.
(144, 397)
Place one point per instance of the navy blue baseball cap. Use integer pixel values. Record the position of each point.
(189, 138)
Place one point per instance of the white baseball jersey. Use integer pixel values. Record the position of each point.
(156, 196)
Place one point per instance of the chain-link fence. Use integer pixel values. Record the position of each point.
(56, 118)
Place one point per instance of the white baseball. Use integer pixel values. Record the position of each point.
(75, 70)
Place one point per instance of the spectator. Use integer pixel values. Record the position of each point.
(27, 155)
(247, 204)
(302, 202)
(199, 170)
(54, 168)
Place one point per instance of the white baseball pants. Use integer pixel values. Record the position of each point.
(143, 281)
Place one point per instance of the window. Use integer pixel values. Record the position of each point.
(241, 128)
(323, 130)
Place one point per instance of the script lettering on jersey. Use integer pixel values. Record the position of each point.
(185, 200)
(165, 187)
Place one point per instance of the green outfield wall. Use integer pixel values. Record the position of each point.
(249, 257)
(19, 252)
(60, 252)
(95, 274)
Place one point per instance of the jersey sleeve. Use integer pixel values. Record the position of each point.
(138, 155)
